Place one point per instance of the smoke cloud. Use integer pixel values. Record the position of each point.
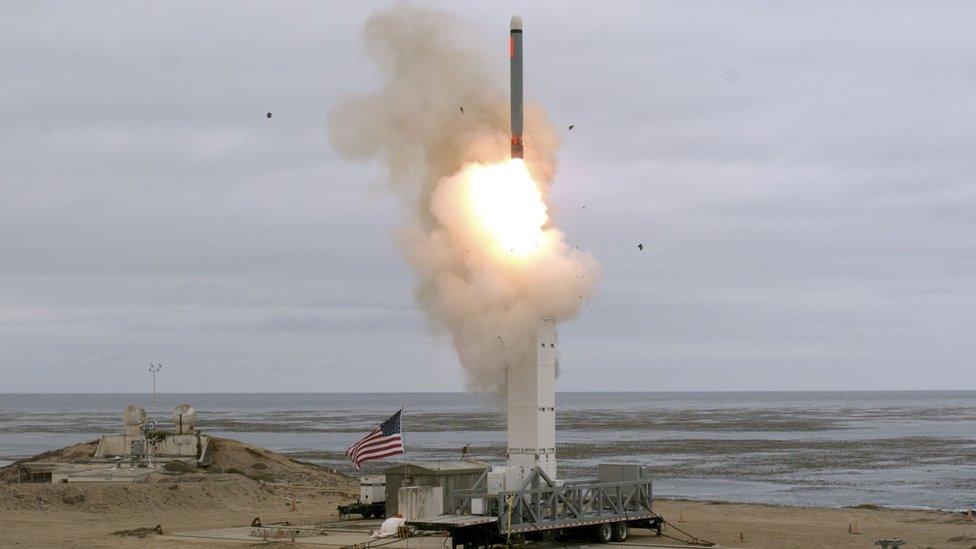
(486, 293)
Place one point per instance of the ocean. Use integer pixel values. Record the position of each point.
(913, 449)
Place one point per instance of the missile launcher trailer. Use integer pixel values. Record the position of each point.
(603, 510)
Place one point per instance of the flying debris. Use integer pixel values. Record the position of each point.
(571, 126)
(269, 115)
(462, 109)
(640, 247)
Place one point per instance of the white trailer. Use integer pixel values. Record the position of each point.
(372, 498)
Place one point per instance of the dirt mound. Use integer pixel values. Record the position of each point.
(84, 450)
(229, 491)
(179, 467)
(231, 456)
(241, 476)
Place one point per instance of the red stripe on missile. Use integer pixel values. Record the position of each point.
(511, 47)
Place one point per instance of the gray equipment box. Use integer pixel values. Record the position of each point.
(621, 472)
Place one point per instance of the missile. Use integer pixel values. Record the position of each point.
(515, 57)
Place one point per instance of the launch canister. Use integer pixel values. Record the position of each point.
(515, 56)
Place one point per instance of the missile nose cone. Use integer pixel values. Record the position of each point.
(516, 23)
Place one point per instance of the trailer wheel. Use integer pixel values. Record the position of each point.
(603, 533)
(620, 531)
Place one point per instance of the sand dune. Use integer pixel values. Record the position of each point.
(247, 482)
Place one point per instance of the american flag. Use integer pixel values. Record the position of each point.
(382, 442)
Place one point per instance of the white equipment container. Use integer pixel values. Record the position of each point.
(372, 489)
(417, 502)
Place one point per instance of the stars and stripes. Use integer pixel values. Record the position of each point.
(382, 442)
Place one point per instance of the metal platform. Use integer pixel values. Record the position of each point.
(450, 522)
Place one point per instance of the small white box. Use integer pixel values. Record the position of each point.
(496, 481)
(372, 489)
(477, 506)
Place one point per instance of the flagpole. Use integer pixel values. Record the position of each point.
(403, 456)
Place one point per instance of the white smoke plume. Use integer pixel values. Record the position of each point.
(490, 262)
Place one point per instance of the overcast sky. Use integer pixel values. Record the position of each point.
(802, 177)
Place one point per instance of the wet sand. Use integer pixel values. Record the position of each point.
(780, 526)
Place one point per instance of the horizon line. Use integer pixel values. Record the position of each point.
(611, 391)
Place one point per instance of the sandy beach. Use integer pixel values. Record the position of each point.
(781, 526)
(247, 482)
(198, 506)
(235, 504)
(34, 515)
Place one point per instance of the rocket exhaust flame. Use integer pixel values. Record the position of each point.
(489, 261)
(507, 205)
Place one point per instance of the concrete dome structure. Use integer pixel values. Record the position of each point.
(184, 418)
(133, 417)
